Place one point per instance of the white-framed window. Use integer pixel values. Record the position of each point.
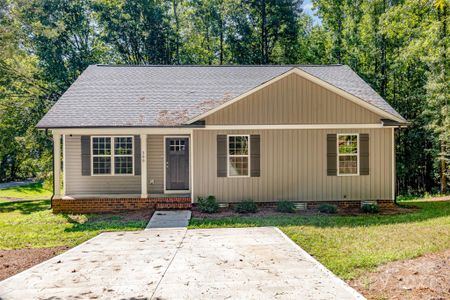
(238, 155)
(112, 155)
(348, 154)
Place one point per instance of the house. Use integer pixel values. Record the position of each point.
(143, 136)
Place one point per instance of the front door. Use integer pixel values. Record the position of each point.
(177, 163)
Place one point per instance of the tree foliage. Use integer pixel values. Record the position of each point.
(399, 46)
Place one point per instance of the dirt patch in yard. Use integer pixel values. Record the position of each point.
(126, 216)
(16, 261)
(426, 277)
(271, 211)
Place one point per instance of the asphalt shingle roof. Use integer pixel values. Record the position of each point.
(145, 96)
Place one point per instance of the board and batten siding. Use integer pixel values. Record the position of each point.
(76, 184)
(293, 167)
(293, 100)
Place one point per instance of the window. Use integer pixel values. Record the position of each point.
(348, 152)
(112, 151)
(177, 145)
(238, 155)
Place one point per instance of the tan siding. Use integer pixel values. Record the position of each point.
(155, 159)
(293, 100)
(78, 185)
(293, 167)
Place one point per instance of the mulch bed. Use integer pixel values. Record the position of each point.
(426, 277)
(16, 261)
(271, 211)
(125, 216)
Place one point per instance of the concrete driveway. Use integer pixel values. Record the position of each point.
(245, 263)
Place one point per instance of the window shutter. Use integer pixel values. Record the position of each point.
(364, 154)
(255, 155)
(331, 155)
(137, 155)
(85, 155)
(221, 156)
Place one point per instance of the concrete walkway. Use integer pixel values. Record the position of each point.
(226, 263)
(169, 219)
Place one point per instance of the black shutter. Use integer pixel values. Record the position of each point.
(331, 155)
(85, 155)
(137, 155)
(221, 156)
(255, 155)
(364, 154)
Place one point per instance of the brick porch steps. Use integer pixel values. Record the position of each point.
(98, 205)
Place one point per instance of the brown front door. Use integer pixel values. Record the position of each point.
(177, 163)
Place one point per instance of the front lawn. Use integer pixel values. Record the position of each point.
(31, 224)
(350, 245)
(32, 191)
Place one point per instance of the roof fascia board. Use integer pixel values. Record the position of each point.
(292, 126)
(121, 130)
(313, 79)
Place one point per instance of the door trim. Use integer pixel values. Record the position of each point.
(164, 165)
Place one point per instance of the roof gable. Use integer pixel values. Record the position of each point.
(292, 100)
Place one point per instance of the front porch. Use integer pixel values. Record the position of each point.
(159, 174)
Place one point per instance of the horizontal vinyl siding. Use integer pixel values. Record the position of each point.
(293, 167)
(293, 100)
(78, 185)
(155, 159)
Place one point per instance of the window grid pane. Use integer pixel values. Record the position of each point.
(101, 165)
(238, 166)
(123, 146)
(101, 146)
(238, 145)
(123, 165)
(348, 144)
(348, 164)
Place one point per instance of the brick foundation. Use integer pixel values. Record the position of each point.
(101, 205)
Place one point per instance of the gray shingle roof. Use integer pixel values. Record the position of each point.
(144, 96)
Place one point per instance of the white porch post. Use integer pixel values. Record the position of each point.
(144, 193)
(57, 165)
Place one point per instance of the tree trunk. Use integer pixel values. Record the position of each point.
(177, 32)
(221, 42)
(443, 170)
(264, 54)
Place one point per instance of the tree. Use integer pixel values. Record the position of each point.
(138, 31)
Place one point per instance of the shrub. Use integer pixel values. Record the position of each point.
(208, 205)
(370, 208)
(328, 208)
(244, 207)
(285, 206)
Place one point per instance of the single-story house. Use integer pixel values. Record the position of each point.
(143, 136)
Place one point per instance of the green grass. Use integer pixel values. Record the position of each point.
(419, 197)
(350, 245)
(32, 191)
(31, 224)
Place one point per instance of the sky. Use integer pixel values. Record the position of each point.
(308, 9)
